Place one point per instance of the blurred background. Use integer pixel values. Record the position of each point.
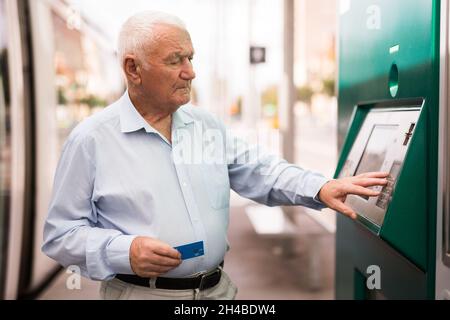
(264, 66)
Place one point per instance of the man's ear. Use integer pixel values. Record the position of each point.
(132, 69)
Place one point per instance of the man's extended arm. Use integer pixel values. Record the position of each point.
(272, 181)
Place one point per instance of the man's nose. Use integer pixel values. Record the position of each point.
(188, 72)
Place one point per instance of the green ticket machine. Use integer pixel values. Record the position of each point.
(393, 117)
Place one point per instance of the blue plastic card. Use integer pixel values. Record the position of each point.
(191, 250)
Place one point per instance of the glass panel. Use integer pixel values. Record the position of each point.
(5, 143)
(373, 157)
(376, 149)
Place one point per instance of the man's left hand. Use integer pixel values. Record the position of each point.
(334, 193)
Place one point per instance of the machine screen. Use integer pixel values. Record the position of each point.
(375, 152)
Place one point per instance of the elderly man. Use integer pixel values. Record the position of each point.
(132, 208)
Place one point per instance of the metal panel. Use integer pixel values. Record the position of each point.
(443, 212)
(46, 129)
(18, 143)
(391, 124)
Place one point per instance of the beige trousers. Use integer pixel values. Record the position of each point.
(118, 290)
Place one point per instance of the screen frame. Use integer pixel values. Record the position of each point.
(371, 215)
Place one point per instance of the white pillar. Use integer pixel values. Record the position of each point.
(287, 90)
(251, 106)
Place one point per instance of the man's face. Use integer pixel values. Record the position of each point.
(167, 71)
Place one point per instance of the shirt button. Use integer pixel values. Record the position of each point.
(184, 184)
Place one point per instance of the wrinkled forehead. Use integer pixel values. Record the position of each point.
(168, 39)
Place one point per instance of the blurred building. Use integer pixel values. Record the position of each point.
(315, 49)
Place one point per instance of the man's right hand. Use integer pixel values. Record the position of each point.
(334, 193)
(151, 258)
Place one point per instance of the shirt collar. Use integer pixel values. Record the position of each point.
(131, 120)
(181, 118)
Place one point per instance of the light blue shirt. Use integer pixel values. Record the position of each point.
(118, 178)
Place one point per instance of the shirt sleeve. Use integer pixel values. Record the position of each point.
(71, 236)
(270, 180)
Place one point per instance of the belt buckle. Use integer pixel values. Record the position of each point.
(207, 274)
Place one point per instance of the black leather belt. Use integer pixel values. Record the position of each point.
(201, 282)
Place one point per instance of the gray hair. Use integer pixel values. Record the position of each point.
(138, 31)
